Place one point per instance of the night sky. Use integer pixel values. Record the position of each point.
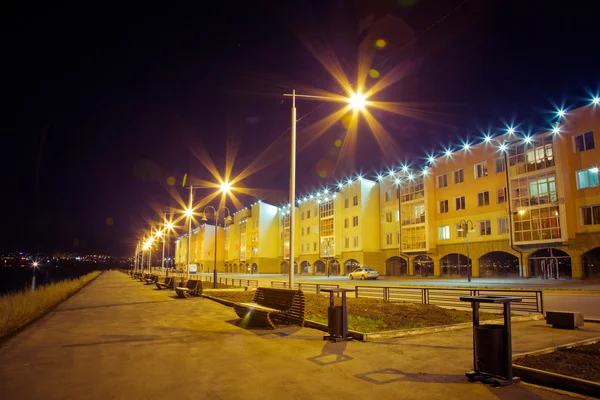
(103, 103)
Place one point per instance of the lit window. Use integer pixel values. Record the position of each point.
(444, 232)
(355, 241)
(388, 238)
(355, 200)
(587, 178)
(481, 170)
(502, 225)
(584, 142)
(346, 222)
(307, 214)
(501, 195)
(388, 195)
(388, 216)
(346, 202)
(355, 220)
(346, 243)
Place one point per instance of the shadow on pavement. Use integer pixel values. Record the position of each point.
(332, 353)
(390, 375)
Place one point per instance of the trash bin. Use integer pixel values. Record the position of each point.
(491, 349)
(334, 320)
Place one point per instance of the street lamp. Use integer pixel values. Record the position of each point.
(468, 224)
(189, 213)
(215, 214)
(357, 102)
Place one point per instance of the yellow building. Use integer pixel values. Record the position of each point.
(507, 206)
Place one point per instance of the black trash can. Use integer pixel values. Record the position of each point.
(334, 320)
(491, 349)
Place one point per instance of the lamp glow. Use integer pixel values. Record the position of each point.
(357, 101)
(487, 138)
(225, 187)
(560, 113)
(502, 147)
(431, 159)
(510, 131)
(556, 130)
(596, 101)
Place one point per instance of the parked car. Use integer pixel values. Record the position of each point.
(364, 273)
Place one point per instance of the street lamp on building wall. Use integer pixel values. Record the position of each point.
(227, 219)
(468, 227)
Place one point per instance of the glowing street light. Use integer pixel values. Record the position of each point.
(596, 101)
(357, 101)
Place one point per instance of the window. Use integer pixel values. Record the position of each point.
(388, 195)
(537, 224)
(308, 230)
(326, 227)
(302, 215)
(388, 238)
(460, 203)
(302, 248)
(388, 216)
(413, 190)
(316, 212)
(587, 178)
(590, 215)
(346, 202)
(534, 190)
(502, 225)
(485, 228)
(314, 246)
(302, 232)
(307, 214)
(534, 156)
(481, 170)
(501, 195)
(442, 180)
(355, 241)
(443, 206)
(355, 220)
(584, 142)
(346, 222)
(346, 243)
(355, 200)
(397, 237)
(483, 199)
(499, 165)
(444, 232)
(314, 229)
(397, 215)
(460, 233)
(459, 176)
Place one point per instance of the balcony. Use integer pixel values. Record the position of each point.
(413, 221)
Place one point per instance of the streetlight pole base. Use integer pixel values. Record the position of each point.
(215, 278)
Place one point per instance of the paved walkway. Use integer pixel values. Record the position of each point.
(120, 339)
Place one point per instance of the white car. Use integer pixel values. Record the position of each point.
(364, 273)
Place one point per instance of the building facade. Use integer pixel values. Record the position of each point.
(512, 205)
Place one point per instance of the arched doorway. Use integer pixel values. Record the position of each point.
(226, 267)
(334, 267)
(498, 264)
(350, 265)
(423, 265)
(235, 268)
(254, 269)
(305, 267)
(549, 263)
(591, 263)
(320, 268)
(396, 266)
(454, 265)
(285, 268)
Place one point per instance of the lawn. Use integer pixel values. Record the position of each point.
(371, 315)
(579, 362)
(209, 285)
(18, 309)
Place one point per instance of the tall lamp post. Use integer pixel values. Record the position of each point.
(189, 213)
(468, 227)
(215, 213)
(167, 227)
(357, 101)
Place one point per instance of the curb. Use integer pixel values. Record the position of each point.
(441, 328)
(557, 381)
(322, 327)
(11, 334)
(552, 379)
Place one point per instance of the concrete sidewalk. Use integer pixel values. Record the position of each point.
(119, 338)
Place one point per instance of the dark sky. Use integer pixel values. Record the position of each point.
(103, 103)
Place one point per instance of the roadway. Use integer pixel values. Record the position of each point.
(558, 295)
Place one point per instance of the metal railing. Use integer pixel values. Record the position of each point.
(450, 297)
(232, 281)
(306, 287)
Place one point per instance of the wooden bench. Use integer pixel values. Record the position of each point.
(144, 277)
(151, 280)
(283, 306)
(192, 288)
(167, 284)
(564, 319)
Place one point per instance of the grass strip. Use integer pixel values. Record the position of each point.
(18, 309)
